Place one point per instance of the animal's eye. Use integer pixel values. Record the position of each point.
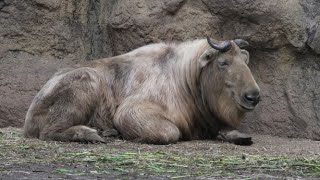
(208, 56)
(223, 64)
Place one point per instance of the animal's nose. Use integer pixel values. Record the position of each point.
(252, 97)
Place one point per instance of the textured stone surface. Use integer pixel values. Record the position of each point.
(37, 37)
(290, 85)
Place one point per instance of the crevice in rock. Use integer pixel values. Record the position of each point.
(98, 33)
(4, 3)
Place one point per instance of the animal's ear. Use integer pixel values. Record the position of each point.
(241, 43)
(246, 54)
(207, 56)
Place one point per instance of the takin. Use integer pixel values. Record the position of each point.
(159, 94)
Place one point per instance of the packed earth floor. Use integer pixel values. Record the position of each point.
(268, 158)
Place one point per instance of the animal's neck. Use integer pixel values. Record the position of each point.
(188, 65)
(189, 72)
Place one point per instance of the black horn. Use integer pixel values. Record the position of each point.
(241, 43)
(222, 46)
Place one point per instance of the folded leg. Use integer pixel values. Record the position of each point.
(145, 122)
(78, 133)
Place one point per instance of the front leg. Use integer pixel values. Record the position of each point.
(235, 137)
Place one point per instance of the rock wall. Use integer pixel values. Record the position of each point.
(37, 37)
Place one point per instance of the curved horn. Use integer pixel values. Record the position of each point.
(241, 43)
(223, 46)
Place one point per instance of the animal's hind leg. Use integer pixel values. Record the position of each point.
(102, 122)
(146, 122)
(78, 133)
(63, 108)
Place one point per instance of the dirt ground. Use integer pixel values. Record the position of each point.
(268, 158)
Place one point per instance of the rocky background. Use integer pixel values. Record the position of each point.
(38, 37)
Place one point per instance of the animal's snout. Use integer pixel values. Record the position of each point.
(252, 97)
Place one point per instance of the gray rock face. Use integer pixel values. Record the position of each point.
(38, 37)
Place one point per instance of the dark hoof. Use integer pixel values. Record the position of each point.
(235, 137)
(243, 141)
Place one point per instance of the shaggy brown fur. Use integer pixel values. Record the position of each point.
(160, 93)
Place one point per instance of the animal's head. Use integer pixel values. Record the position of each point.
(227, 84)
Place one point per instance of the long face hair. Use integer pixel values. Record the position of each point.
(225, 82)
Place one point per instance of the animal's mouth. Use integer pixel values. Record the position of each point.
(242, 105)
(245, 108)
